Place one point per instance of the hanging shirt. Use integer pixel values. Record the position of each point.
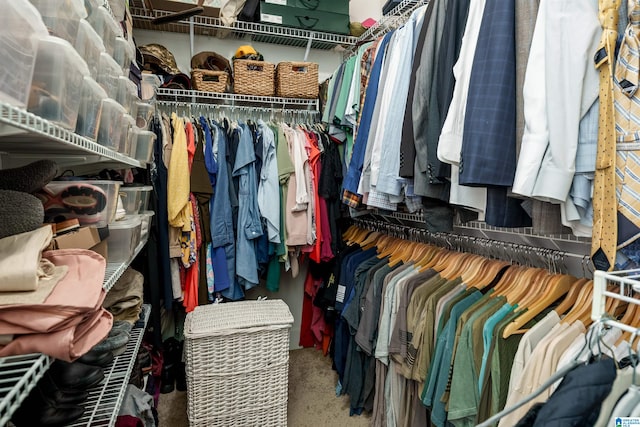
(268, 188)
(450, 141)
(249, 225)
(386, 176)
(217, 251)
(351, 181)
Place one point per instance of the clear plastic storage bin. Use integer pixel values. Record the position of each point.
(146, 217)
(62, 17)
(56, 87)
(124, 236)
(111, 124)
(90, 109)
(91, 202)
(128, 123)
(20, 28)
(89, 45)
(104, 24)
(135, 199)
(123, 54)
(109, 73)
(144, 146)
(127, 93)
(144, 114)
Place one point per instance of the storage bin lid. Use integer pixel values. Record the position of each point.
(63, 47)
(110, 21)
(64, 9)
(232, 317)
(95, 88)
(129, 222)
(112, 103)
(122, 43)
(22, 13)
(86, 30)
(109, 65)
(137, 188)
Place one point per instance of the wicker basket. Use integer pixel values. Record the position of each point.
(237, 364)
(209, 81)
(297, 80)
(253, 77)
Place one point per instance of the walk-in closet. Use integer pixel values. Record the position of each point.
(319, 212)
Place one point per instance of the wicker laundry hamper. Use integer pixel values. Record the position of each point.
(237, 364)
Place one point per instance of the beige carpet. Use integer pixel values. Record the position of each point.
(312, 399)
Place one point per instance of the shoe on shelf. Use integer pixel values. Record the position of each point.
(42, 411)
(96, 357)
(76, 375)
(62, 397)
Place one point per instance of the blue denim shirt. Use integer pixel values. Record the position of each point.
(249, 224)
(354, 171)
(223, 247)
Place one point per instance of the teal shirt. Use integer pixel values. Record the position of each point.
(487, 338)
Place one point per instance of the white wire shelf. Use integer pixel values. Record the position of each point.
(265, 33)
(116, 269)
(25, 133)
(105, 399)
(18, 375)
(186, 97)
(392, 20)
(627, 281)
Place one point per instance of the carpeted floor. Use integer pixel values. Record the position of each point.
(312, 399)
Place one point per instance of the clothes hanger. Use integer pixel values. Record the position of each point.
(582, 305)
(571, 297)
(557, 287)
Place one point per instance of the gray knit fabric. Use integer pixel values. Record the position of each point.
(29, 178)
(19, 213)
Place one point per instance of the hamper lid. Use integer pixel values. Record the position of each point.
(219, 319)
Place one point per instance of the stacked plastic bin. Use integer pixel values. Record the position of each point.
(68, 62)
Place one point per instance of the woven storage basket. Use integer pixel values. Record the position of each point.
(237, 364)
(253, 77)
(297, 80)
(209, 81)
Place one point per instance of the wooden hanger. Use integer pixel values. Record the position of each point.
(571, 297)
(536, 284)
(558, 287)
(455, 265)
(370, 240)
(582, 306)
(487, 274)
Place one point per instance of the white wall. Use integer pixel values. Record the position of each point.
(359, 10)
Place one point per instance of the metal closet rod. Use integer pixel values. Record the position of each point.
(515, 253)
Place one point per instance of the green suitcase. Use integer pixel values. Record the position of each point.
(335, 6)
(313, 20)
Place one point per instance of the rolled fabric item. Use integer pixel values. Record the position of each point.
(29, 178)
(65, 344)
(19, 213)
(20, 257)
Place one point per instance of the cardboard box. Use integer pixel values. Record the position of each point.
(82, 238)
(211, 7)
